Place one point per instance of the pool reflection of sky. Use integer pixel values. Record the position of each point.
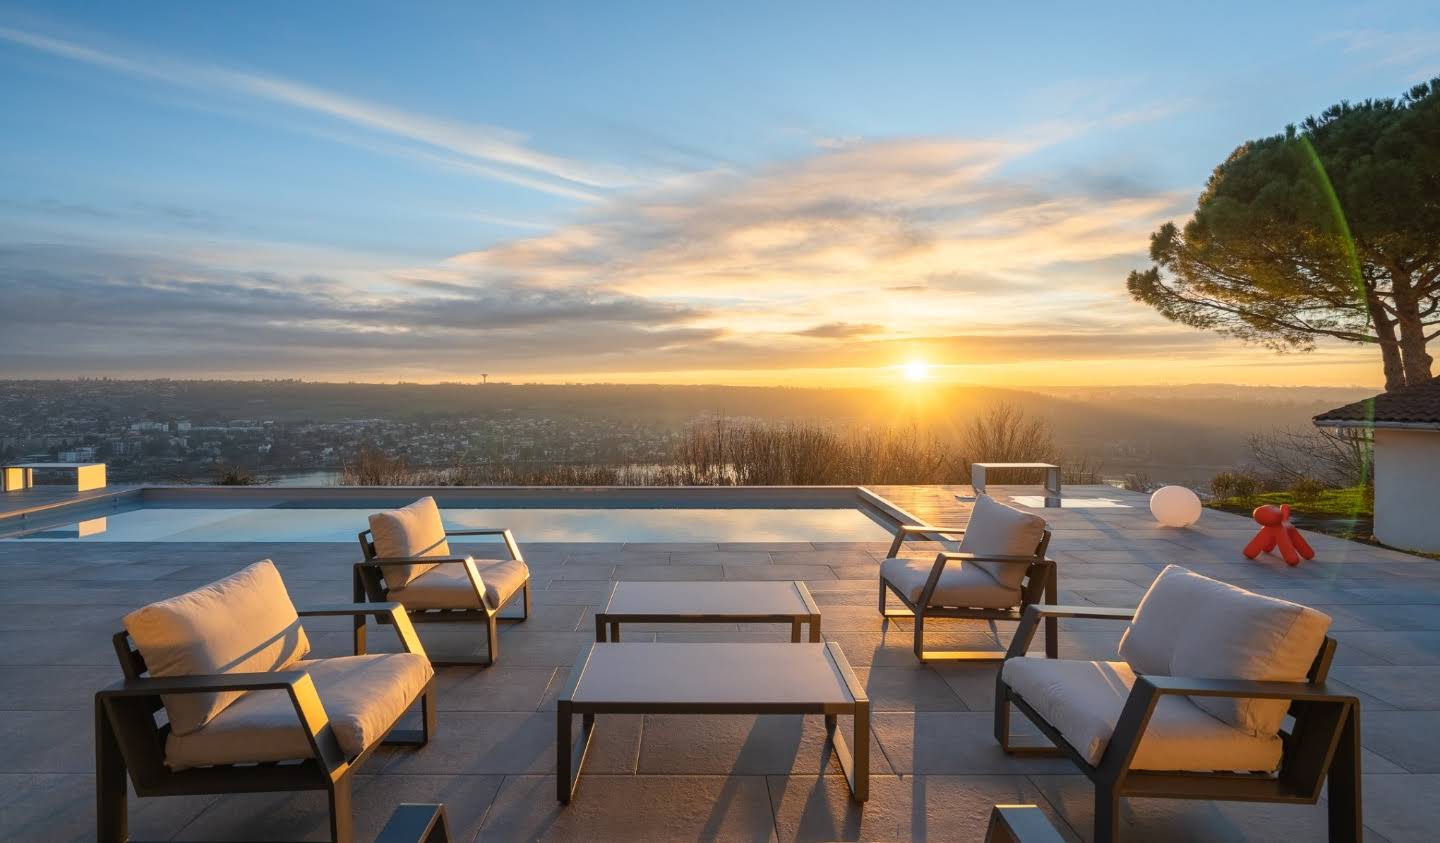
(153, 524)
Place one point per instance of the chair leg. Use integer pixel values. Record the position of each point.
(920, 636)
(1343, 785)
(492, 638)
(526, 587)
(882, 597)
(342, 819)
(427, 716)
(1052, 623)
(1107, 814)
(357, 590)
(1002, 713)
(111, 787)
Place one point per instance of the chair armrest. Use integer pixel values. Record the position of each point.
(502, 532)
(1240, 688)
(904, 531)
(148, 686)
(1034, 613)
(301, 688)
(416, 823)
(1020, 824)
(1091, 612)
(921, 528)
(382, 561)
(395, 612)
(988, 557)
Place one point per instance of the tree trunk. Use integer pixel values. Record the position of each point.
(1412, 330)
(1390, 355)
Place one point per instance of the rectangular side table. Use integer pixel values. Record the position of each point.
(664, 678)
(709, 602)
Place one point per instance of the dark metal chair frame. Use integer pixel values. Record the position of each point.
(416, 822)
(129, 741)
(370, 584)
(1020, 824)
(1323, 742)
(1041, 585)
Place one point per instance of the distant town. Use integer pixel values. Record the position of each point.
(128, 426)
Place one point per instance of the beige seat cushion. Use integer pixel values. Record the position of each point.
(362, 695)
(961, 584)
(996, 529)
(244, 623)
(1190, 625)
(448, 586)
(1083, 701)
(414, 530)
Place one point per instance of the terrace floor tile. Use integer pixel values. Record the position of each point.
(626, 809)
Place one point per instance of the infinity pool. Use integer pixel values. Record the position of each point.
(309, 524)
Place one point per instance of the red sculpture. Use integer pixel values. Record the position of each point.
(1276, 532)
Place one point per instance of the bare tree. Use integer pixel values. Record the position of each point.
(1285, 456)
(1006, 434)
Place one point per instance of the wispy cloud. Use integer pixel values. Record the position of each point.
(832, 229)
(490, 151)
(1416, 50)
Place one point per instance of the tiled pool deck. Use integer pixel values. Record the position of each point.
(935, 767)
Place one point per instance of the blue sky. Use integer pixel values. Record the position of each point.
(756, 193)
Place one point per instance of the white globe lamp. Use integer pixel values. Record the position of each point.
(1175, 506)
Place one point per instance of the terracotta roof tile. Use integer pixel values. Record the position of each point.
(1411, 405)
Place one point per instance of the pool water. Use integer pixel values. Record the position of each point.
(278, 524)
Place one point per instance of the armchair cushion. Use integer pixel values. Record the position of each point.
(1189, 625)
(362, 696)
(1083, 701)
(414, 530)
(961, 584)
(244, 623)
(449, 587)
(999, 530)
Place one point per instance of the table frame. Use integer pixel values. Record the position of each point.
(570, 753)
(88, 475)
(1052, 474)
(612, 620)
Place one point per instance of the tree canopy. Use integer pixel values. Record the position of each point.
(1331, 229)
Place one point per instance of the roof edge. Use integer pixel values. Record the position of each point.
(1376, 425)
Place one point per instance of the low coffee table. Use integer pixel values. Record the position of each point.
(665, 678)
(709, 602)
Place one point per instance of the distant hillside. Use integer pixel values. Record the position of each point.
(1181, 433)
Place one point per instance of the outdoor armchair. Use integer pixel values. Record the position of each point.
(244, 710)
(999, 571)
(408, 560)
(1260, 727)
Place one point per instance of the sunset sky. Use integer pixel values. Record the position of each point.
(770, 193)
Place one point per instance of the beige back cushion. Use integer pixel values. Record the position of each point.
(999, 530)
(244, 623)
(414, 530)
(1213, 630)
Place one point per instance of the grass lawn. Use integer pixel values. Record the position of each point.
(1347, 513)
(1344, 513)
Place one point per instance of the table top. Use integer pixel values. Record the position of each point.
(1015, 465)
(740, 673)
(52, 464)
(777, 597)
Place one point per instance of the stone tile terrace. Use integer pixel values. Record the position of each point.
(936, 769)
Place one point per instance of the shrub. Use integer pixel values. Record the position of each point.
(1307, 490)
(233, 475)
(1247, 486)
(1222, 485)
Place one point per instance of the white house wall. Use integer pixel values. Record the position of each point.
(1407, 488)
